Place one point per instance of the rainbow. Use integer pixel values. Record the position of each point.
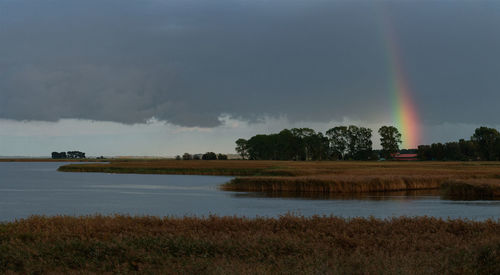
(405, 116)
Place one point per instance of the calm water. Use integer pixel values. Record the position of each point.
(37, 188)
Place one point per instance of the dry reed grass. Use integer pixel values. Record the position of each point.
(335, 184)
(222, 245)
(472, 188)
(325, 176)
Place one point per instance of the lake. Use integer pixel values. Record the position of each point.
(36, 188)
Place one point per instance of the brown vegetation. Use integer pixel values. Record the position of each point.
(222, 245)
(472, 188)
(324, 177)
(335, 184)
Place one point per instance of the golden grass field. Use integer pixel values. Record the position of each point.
(230, 245)
(325, 176)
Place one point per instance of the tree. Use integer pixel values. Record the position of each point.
(487, 141)
(360, 143)
(209, 156)
(304, 136)
(339, 140)
(390, 138)
(187, 156)
(424, 152)
(289, 146)
(259, 147)
(468, 149)
(351, 142)
(178, 157)
(221, 157)
(75, 155)
(62, 155)
(452, 151)
(68, 155)
(438, 151)
(318, 146)
(242, 148)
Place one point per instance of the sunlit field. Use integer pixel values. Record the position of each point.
(325, 177)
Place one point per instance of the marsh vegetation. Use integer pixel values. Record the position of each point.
(221, 245)
(324, 176)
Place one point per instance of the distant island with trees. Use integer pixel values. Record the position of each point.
(206, 156)
(68, 155)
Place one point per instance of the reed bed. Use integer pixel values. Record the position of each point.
(325, 176)
(221, 168)
(334, 184)
(472, 189)
(230, 245)
(372, 196)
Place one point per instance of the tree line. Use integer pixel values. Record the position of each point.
(355, 143)
(68, 155)
(338, 143)
(484, 144)
(206, 156)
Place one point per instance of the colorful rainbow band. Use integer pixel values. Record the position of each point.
(404, 108)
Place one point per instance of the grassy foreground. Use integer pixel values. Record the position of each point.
(222, 245)
(325, 177)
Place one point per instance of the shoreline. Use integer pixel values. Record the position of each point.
(50, 160)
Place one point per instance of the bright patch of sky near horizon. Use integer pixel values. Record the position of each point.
(157, 138)
(68, 66)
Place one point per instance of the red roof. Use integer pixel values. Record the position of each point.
(406, 155)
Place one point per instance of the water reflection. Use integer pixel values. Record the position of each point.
(37, 188)
(374, 196)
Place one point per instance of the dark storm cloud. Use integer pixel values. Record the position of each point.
(189, 61)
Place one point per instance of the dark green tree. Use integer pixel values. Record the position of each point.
(260, 147)
(452, 151)
(304, 136)
(424, 152)
(351, 142)
(242, 148)
(438, 151)
(209, 156)
(317, 146)
(468, 149)
(339, 141)
(221, 157)
(487, 141)
(390, 138)
(61, 155)
(360, 143)
(289, 145)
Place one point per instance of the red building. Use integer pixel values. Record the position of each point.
(406, 157)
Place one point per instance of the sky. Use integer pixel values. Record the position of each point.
(163, 77)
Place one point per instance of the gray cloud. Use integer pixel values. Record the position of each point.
(189, 61)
